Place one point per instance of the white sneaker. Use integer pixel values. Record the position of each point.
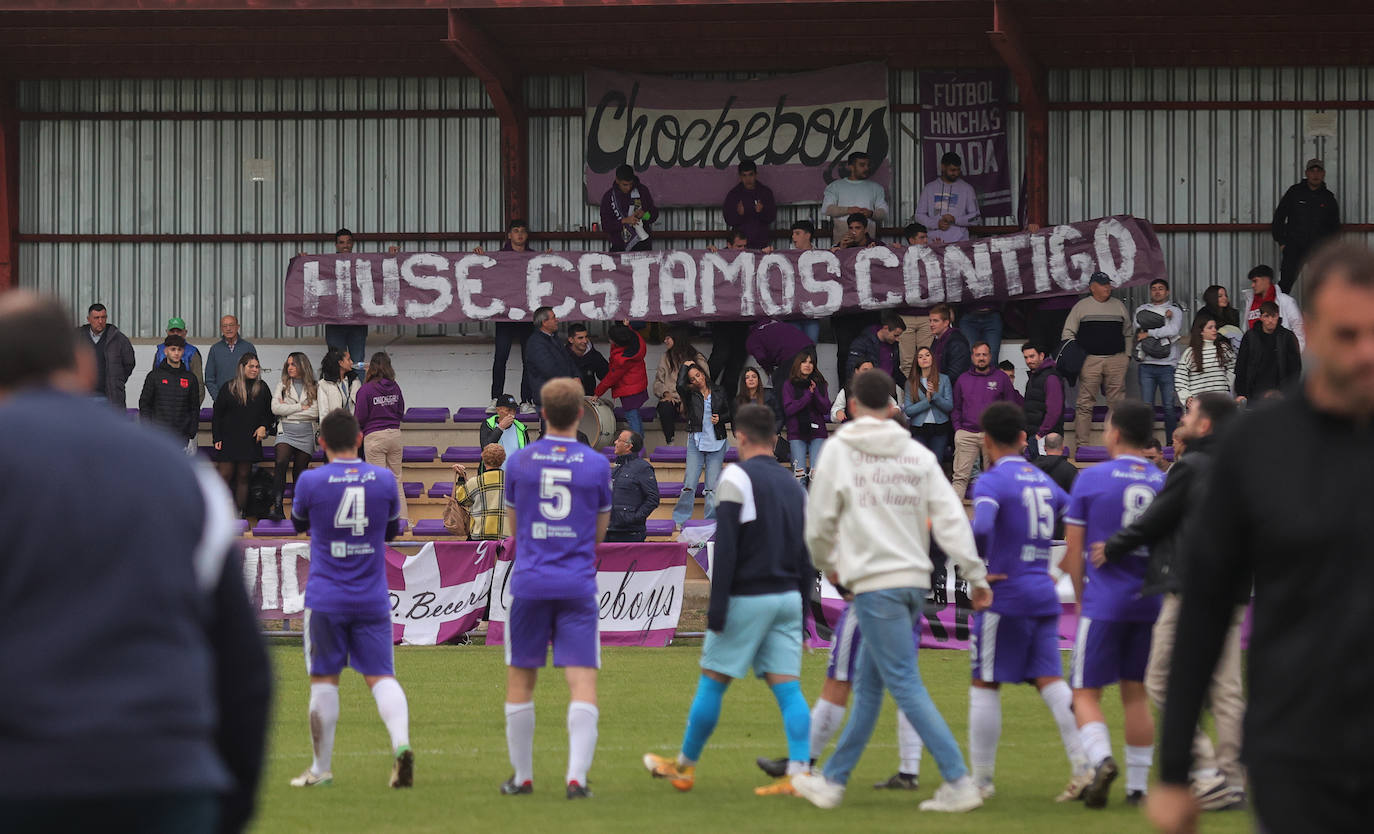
(954, 798)
(818, 790)
(491, 409)
(986, 789)
(310, 778)
(1078, 783)
(528, 408)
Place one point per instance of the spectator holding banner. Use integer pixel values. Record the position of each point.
(948, 205)
(627, 212)
(1101, 325)
(350, 337)
(750, 207)
(856, 194)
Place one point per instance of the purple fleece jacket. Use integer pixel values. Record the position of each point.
(380, 405)
(774, 343)
(974, 392)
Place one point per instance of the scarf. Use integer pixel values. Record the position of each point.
(627, 233)
(1252, 315)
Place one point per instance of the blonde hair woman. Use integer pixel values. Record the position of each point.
(298, 421)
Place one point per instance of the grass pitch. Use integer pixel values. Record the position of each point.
(458, 733)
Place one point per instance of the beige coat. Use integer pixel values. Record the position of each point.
(665, 378)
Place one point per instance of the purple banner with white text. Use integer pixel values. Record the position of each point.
(965, 112)
(685, 138)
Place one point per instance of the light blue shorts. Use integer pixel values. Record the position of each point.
(763, 632)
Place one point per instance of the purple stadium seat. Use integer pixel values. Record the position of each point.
(731, 455)
(207, 414)
(419, 454)
(425, 415)
(241, 525)
(1100, 413)
(441, 490)
(430, 527)
(1090, 454)
(470, 415)
(412, 489)
(405, 525)
(646, 413)
(462, 454)
(697, 522)
(288, 491)
(133, 413)
(659, 527)
(1169, 453)
(318, 454)
(268, 528)
(269, 451)
(669, 454)
(670, 490)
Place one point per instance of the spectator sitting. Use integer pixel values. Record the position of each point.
(190, 358)
(627, 212)
(805, 399)
(1154, 453)
(735, 241)
(484, 500)
(839, 407)
(634, 490)
(1216, 303)
(1101, 325)
(338, 384)
(545, 357)
(502, 429)
(628, 380)
(951, 348)
(750, 207)
(171, 395)
(929, 401)
(774, 344)
(222, 361)
(297, 411)
(678, 352)
(753, 392)
(379, 409)
(591, 365)
(706, 410)
(1055, 463)
(1262, 289)
(1269, 359)
(1208, 363)
(948, 205)
(858, 236)
(973, 392)
(879, 345)
(114, 355)
(241, 421)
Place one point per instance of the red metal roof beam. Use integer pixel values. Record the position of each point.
(1007, 38)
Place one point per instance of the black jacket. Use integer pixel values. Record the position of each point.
(1304, 217)
(171, 398)
(114, 362)
(692, 403)
(955, 355)
(1060, 469)
(1302, 530)
(1165, 523)
(868, 347)
(546, 358)
(1288, 360)
(634, 494)
(591, 366)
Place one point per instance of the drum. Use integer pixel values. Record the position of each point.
(598, 423)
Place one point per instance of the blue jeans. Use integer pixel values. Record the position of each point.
(1160, 378)
(349, 337)
(800, 450)
(811, 327)
(984, 326)
(887, 659)
(696, 461)
(933, 436)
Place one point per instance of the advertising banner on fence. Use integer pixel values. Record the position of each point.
(684, 138)
(965, 111)
(435, 288)
(639, 591)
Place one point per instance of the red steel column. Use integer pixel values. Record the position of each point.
(9, 188)
(1007, 39)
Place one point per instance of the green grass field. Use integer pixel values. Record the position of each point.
(458, 732)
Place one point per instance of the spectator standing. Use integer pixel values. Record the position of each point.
(379, 409)
(628, 379)
(948, 205)
(296, 406)
(338, 384)
(974, 391)
(917, 319)
(242, 419)
(504, 428)
(951, 348)
(352, 337)
(729, 339)
(1055, 463)
(511, 332)
(706, 410)
(1307, 215)
(114, 355)
(160, 688)
(222, 362)
(981, 321)
(774, 344)
(1044, 401)
(750, 207)
(879, 345)
(803, 240)
(190, 358)
(484, 497)
(634, 490)
(627, 213)
(752, 391)
(855, 194)
(678, 351)
(1216, 303)
(592, 367)
(171, 395)
(1101, 325)
(1269, 360)
(929, 401)
(805, 406)
(1207, 364)
(1157, 350)
(1262, 289)
(849, 326)
(545, 357)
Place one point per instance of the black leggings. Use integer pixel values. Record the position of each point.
(236, 473)
(288, 456)
(667, 416)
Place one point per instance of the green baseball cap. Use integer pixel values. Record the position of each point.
(176, 323)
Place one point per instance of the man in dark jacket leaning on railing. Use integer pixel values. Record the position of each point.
(634, 490)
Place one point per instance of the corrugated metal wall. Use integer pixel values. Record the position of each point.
(162, 176)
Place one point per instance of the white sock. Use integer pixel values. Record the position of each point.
(391, 705)
(798, 767)
(984, 728)
(1096, 742)
(1138, 761)
(909, 746)
(324, 717)
(582, 718)
(1059, 698)
(826, 720)
(520, 740)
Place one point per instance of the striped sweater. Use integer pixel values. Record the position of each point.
(1214, 376)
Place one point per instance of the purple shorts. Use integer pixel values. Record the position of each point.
(1009, 649)
(844, 646)
(572, 625)
(1106, 651)
(333, 641)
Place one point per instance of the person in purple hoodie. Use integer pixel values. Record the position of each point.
(379, 408)
(806, 407)
(1044, 401)
(775, 344)
(974, 391)
(627, 212)
(750, 207)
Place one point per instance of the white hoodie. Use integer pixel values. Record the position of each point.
(876, 497)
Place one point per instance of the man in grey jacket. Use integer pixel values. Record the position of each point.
(1157, 349)
(223, 359)
(114, 355)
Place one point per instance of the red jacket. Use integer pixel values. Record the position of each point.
(627, 376)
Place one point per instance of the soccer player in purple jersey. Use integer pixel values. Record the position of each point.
(1016, 640)
(1115, 620)
(352, 509)
(558, 496)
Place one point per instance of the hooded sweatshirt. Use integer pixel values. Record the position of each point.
(974, 392)
(380, 405)
(877, 496)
